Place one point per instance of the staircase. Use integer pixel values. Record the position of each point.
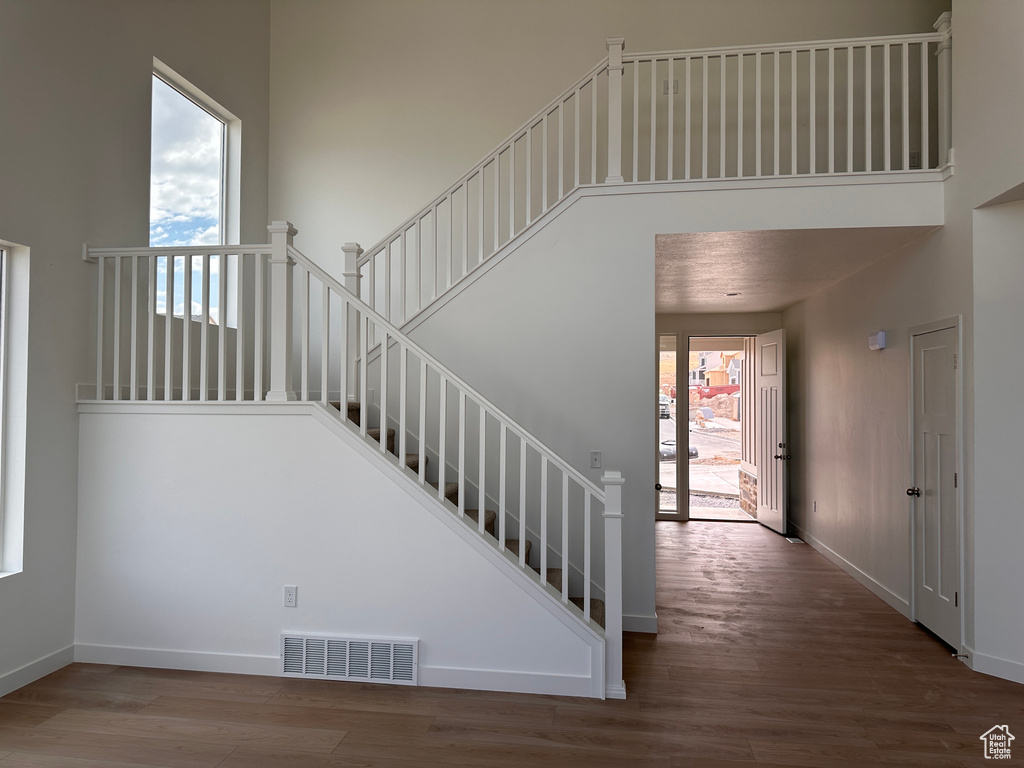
(451, 495)
(290, 332)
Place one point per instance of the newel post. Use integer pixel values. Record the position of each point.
(615, 45)
(352, 251)
(944, 57)
(614, 685)
(281, 235)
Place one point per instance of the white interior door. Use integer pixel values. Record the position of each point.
(934, 494)
(770, 429)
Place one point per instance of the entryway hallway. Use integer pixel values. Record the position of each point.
(768, 652)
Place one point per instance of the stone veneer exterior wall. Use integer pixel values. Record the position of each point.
(748, 493)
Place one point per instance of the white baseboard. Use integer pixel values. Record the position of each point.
(436, 677)
(160, 658)
(900, 604)
(22, 676)
(648, 624)
(995, 666)
(509, 682)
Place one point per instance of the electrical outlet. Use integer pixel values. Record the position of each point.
(595, 459)
(291, 596)
(915, 159)
(664, 87)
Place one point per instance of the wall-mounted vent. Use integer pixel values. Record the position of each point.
(369, 659)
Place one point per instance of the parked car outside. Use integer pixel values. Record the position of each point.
(663, 406)
(667, 451)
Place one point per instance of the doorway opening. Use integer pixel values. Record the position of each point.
(715, 428)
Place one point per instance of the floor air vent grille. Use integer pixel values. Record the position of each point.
(377, 660)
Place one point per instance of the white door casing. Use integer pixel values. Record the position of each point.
(935, 496)
(770, 429)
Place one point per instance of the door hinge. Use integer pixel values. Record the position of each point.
(954, 480)
(956, 599)
(955, 356)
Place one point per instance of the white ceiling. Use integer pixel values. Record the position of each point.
(770, 269)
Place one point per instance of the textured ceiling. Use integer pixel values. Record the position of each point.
(770, 269)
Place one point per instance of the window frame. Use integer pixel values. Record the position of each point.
(14, 318)
(231, 150)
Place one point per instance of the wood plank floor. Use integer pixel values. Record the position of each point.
(767, 655)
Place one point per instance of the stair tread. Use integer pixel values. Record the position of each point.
(512, 545)
(451, 491)
(490, 516)
(596, 608)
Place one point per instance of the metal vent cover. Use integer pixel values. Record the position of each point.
(366, 659)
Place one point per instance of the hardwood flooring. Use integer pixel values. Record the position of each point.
(767, 655)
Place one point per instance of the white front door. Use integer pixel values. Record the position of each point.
(770, 429)
(934, 494)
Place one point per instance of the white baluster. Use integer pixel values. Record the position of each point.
(303, 312)
(565, 536)
(482, 467)
(168, 327)
(116, 336)
(831, 110)
(204, 329)
(905, 105)
(151, 332)
(100, 309)
(887, 106)
(353, 252)
(281, 235)
(758, 143)
(868, 160)
(222, 325)
(325, 343)
(722, 60)
(615, 45)
(670, 170)
(186, 329)
(133, 347)
(925, 117)
(740, 132)
(849, 109)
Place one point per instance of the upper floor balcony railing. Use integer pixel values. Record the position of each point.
(856, 106)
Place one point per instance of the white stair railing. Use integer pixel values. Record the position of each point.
(216, 350)
(858, 105)
(268, 325)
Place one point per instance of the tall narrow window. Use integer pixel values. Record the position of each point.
(194, 184)
(187, 171)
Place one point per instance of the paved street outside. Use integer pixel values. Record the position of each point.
(714, 474)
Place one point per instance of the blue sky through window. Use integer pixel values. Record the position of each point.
(186, 189)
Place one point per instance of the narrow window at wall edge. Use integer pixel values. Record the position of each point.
(14, 269)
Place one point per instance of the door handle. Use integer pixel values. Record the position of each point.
(915, 491)
(657, 486)
(787, 457)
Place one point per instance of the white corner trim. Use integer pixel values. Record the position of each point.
(41, 667)
(995, 666)
(901, 604)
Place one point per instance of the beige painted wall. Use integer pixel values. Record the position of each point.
(379, 106)
(75, 131)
